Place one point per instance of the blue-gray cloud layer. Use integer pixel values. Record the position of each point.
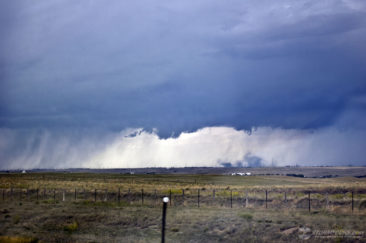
(181, 65)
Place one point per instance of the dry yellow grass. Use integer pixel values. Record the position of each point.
(113, 182)
(17, 239)
(84, 220)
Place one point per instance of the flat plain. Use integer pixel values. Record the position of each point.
(114, 207)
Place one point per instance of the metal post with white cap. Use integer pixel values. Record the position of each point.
(165, 204)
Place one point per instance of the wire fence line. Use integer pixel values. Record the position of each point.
(291, 198)
(199, 197)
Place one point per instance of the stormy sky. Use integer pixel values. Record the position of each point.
(109, 84)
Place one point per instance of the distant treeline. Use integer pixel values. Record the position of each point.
(295, 175)
(324, 176)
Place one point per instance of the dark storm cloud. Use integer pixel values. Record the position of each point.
(180, 66)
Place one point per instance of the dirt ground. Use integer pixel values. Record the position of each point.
(85, 221)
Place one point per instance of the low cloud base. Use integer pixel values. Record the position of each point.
(206, 147)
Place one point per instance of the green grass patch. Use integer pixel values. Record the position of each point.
(70, 228)
(338, 196)
(173, 191)
(175, 230)
(227, 193)
(16, 219)
(50, 201)
(246, 216)
(363, 204)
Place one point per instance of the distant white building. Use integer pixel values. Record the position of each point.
(23, 172)
(241, 173)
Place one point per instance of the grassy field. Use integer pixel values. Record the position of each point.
(150, 182)
(232, 208)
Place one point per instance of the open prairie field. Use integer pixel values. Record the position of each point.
(110, 207)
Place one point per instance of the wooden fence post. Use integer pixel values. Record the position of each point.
(106, 195)
(231, 198)
(75, 195)
(198, 197)
(170, 197)
(285, 197)
(95, 195)
(266, 198)
(54, 195)
(183, 196)
(155, 196)
(309, 201)
(3, 194)
(129, 195)
(11, 193)
(142, 196)
(63, 195)
(37, 193)
(119, 195)
(327, 201)
(246, 199)
(352, 201)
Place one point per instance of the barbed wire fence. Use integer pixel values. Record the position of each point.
(201, 197)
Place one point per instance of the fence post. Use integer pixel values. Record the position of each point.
(246, 199)
(326, 200)
(198, 197)
(106, 195)
(27, 193)
(129, 195)
(20, 194)
(170, 197)
(309, 201)
(3, 194)
(142, 196)
(155, 196)
(11, 193)
(352, 201)
(285, 197)
(119, 195)
(183, 196)
(54, 195)
(95, 195)
(37, 193)
(165, 202)
(266, 198)
(231, 198)
(63, 196)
